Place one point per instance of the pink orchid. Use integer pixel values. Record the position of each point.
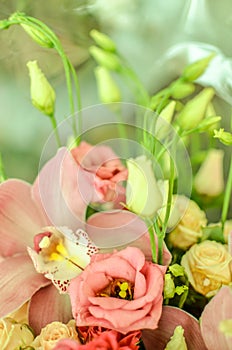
(53, 200)
(204, 335)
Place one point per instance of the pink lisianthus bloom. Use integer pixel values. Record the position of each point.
(107, 340)
(49, 209)
(107, 169)
(120, 291)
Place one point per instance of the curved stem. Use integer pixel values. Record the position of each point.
(54, 126)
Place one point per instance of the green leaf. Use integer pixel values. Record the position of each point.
(214, 233)
(177, 270)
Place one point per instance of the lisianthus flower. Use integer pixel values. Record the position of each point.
(108, 339)
(53, 200)
(107, 169)
(120, 291)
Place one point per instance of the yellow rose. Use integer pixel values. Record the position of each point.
(13, 334)
(54, 332)
(189, 228)
(208, 267)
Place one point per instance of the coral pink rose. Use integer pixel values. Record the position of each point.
(107, 168)
(108, 340)
(120, 291)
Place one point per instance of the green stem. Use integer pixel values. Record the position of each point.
(160, 242)
(55, 129)
(152, 240)
(170, 194)
(2, 172)
(227, 196)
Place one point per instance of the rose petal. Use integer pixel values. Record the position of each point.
(218, 309)
(20, 218)
(48, 305)
(170, 318)
(19, 281)
(57, 190)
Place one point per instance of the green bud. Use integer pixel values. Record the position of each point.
(181, 90)
(103, 40)
(177, 270)
(37, 35)
(169, 286)
(177, 341)
(107, 88)
(196, 69)
(223, 136)
(194, 110)
(164, 120)
(42, 94)
(106, 59)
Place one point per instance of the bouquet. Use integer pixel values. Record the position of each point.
(113, 245)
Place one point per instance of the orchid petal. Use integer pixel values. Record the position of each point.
(57, 191)
(19, 281)
(114, 228)
(170, 318)
(218, 309)
(78, 248)
(118, 229)
(20, 218)
(46, 306)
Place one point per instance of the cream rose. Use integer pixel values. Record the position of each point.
(13, 334)
(54, 332)
(192, 219)
(208, 267)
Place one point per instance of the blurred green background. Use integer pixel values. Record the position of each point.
(142, 29)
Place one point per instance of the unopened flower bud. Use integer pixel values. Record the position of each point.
(107, 88)
(38, 36)
(103, 40)
(177, 341)
(209, 178)
(181, 90)
(106, 59)
(224, 136)
(194, 110)
(164, 120)
(143, 195)
(196, 69)
(42, 94)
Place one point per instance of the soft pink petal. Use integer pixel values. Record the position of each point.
(18, 281)
(172, 317)
(57, 189)
(48, 305)
(218, 309)
(119, 228)
(20, 219)
(116, 228)
(92, 157)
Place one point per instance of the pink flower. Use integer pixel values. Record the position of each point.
(54, 200)
(107, 169)
(107, 340)
(120, 291)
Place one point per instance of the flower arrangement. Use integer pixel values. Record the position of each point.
(111, 246)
